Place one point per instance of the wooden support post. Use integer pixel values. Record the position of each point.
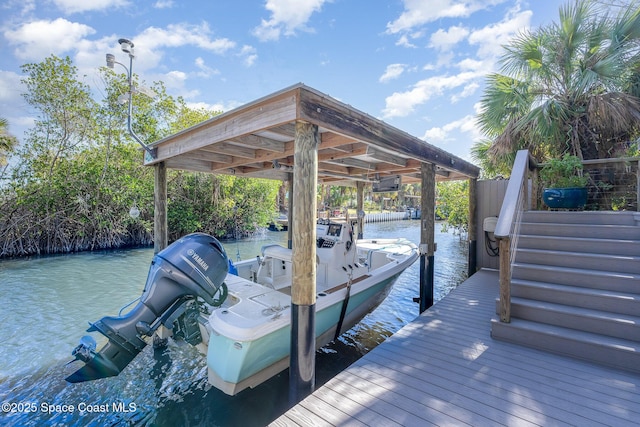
(535, 191)
(303, 289)
(360, 208)
(160, 233)
(473, 226)
(427, 234)
(505, 280)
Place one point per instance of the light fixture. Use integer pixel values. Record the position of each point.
(134, 212)
(127, 47)
(111, 60)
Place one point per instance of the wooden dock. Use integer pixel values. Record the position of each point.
(445, 369)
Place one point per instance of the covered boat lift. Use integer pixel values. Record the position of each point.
(304, 136)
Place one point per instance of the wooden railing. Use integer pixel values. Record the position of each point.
(516, 200)
(616, 178)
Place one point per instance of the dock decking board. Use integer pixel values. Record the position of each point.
(445, 369)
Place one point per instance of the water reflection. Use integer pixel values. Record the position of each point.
(47, 302)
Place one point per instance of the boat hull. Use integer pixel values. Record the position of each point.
(234, 365)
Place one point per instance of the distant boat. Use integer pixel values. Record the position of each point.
(240, 315)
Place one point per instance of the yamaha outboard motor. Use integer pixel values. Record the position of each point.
(194, 266)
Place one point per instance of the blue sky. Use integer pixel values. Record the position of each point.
(419, 65)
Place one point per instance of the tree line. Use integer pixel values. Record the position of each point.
(572, 86)
(72, 183)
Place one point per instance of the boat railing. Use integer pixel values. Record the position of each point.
(370, 217)
(386, 216)
(517, 198)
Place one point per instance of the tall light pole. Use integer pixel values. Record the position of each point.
(127, 47)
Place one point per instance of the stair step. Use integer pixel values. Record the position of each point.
(576, 286)
(597, 299)
(581, 319)
(594, 279)
(615, 352)
(584, 217)
(607, 231)
(582, 244)
(591, 261)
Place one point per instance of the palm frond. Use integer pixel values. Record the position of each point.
(569, 86)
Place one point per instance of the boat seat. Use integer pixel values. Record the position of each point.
(281, 282)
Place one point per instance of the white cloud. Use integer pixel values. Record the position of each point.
(404, 41)
(467, 91)
(176, 76)
(445, 40)
(205, 70)
(152, 43)
(466, 125)
(402, 104)
(36, 40)
(287, 17)
(419, 12)
(488, 42)
(249, 55)
(470, 64)
(23, 7)
(164, 4)
(13, 107)
(218, 106)
(10, 87)
(435, 134)
(176, 81)
(445, 59)
(75, 6)
(491, 39)
(393, 71)
(177, 35)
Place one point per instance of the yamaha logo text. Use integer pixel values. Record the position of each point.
(198, 259)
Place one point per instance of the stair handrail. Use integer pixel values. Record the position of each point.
(508, 226)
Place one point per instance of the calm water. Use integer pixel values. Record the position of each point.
(46, 303)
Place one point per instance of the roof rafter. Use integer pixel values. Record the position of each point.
(257, 139)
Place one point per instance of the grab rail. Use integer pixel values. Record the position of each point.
(508, 225)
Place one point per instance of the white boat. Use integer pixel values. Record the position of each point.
(241, 319)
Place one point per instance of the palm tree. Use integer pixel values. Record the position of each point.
(572, 86)
(7, 142)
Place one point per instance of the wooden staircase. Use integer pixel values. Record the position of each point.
(575, 286)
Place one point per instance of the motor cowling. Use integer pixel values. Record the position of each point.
(193, 266)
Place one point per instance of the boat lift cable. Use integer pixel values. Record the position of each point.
(345, 302)
(237, 236)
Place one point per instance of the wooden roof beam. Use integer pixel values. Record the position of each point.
(255, 141)
(322, 167)
(286, 129)
(355, 163)
(231, 150)
(332, 114)
(189, 164)
(333, 140)
(442, 172)
(387, 157)
(261, 114)
(327, 155)
(261, 156)
(208, 156)
(391, 168)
